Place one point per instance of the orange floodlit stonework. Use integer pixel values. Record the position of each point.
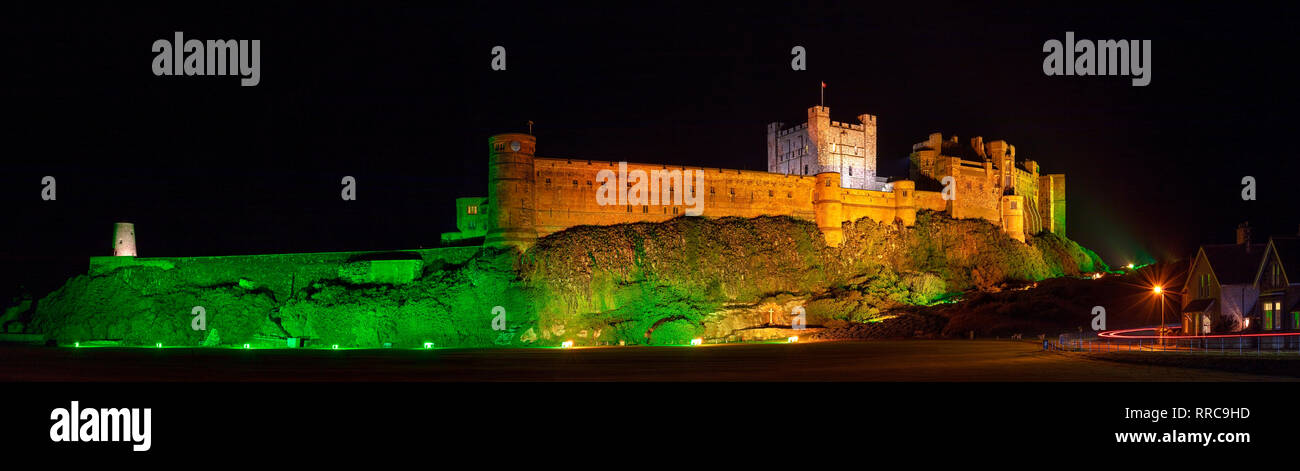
(821, 171)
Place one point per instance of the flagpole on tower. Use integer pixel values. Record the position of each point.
(823, 90)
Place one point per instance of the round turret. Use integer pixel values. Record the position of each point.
(828, 207)
(124, 239)
(905, 201)
(511, 181)
(1013, 216)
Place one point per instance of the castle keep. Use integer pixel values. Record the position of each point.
(822, 171)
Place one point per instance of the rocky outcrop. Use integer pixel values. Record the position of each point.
(655, 283)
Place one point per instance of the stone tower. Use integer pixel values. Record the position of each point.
(828, 207)
(511, 181)
(821, 145)
(868, 146)
(905, 202)
(1013, 216)
(124, 239)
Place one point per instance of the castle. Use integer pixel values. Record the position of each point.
(821, 170)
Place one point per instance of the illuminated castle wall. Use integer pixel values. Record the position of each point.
(988, 184)
(531, 197)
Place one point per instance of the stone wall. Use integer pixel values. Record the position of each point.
(566, 195)
(282, 274)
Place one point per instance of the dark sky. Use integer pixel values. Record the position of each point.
(404, 100)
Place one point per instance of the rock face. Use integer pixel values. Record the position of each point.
(655, 283)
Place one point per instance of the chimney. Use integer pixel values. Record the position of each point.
(1243, 234)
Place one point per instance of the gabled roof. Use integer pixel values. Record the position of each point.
(1287, 251)
(1233, 264)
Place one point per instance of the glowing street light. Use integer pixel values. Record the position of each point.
(792, 339)
(1161, 293)
(1130, 266)
(697, 342)
(567, 344)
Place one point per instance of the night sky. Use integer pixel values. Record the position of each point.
(404, 99)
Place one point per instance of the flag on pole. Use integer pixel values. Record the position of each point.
(823, 84)
(823, 90)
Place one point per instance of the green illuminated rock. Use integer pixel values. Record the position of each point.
(646, 283)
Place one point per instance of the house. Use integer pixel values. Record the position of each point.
(1220, 291)
(1278, 283)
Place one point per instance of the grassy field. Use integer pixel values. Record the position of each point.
(901, 360)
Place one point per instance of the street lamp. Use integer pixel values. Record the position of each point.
(1160, 292)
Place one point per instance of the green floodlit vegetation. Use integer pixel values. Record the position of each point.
(668, 283)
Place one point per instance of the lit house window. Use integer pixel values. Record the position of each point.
(1269, 319)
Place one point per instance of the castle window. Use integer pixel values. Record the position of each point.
(789, 194)
(548, 181)
(575, 183)
(732, 191)
(805, 169)
(645, 209)
(471, 210)
(629, 208)
(713, 191)
(770, 193)
(1013, 205)
(850, 171)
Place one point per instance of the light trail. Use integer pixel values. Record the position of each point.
(1124, 334)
